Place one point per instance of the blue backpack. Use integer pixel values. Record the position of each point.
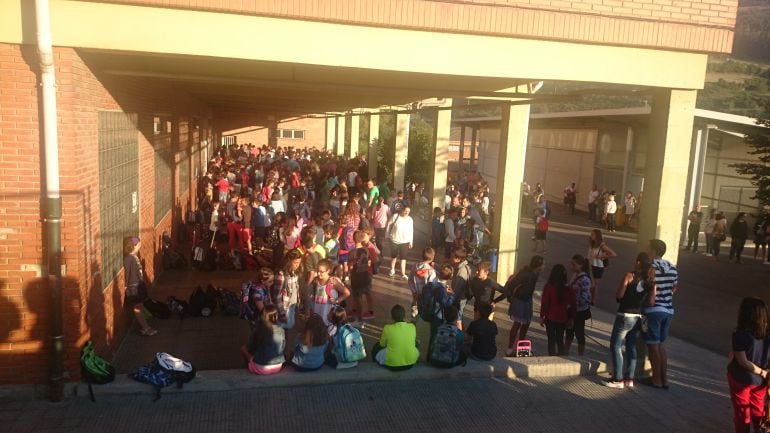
(433, 299)
(445, 351)
(347, 243)
(163, 371)
(348, 344)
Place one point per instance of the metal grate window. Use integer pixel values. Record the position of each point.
(118, 187)
(164, 163)
(183, 156)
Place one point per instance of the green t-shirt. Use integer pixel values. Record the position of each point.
(384, 191)
(373, 194)
(399, 340)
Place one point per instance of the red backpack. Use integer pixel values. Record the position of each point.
(542, 225)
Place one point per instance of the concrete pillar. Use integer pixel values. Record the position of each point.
(374, 144)
(331, 133)
(339, 145)
(441, 133)
(668, 155)
(697, 162)
(355, 139)
(402, 150)
(628, 161)
(462, 148)
(474, 146)
(512, 150)
(272, 137)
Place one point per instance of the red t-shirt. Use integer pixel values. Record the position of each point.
(553, 310)
(223, 185)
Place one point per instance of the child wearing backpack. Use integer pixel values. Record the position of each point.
(361, 278)
(397, 348)
(347, 244)
(435, 299)
(346, 346)
(447, 343)
(422, 274)
(256, 295)
(326, 290)
(264, 352)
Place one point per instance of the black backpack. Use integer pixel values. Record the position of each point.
(157, 309)
(197, 302)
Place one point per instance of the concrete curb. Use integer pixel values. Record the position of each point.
(229, 380)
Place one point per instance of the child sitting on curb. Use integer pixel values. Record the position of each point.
(397, 348)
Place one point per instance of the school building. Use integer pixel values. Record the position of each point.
(109, 111)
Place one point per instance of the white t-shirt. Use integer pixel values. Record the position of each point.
(612, 207)
(592, 196)
(403, 232)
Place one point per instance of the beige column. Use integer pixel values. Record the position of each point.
(355, 139)
(402, 148)
(510, 175)
(374, 143)
(339, 145)
(665, 179)
(331, 132)
(441, 133)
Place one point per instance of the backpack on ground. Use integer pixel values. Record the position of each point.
(228, 302)
(163, 371)
(95, 370)
(210, 260)
(210, 303)
(248, 308)
(433, 299)
(348, 344)
(445, 351)
(198, 257)
(197, 302)
(182, 308)
(157, 309)
(542, 225)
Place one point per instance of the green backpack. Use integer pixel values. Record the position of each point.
(95, 370)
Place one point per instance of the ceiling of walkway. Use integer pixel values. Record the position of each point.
(282, 90)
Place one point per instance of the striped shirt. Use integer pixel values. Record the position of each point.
(666, 277)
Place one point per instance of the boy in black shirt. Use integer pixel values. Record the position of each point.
(481, 333)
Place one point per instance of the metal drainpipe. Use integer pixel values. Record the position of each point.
(52, 205)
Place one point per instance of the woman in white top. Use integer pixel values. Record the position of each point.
(718, 234)
(598, 258)
(401, 235)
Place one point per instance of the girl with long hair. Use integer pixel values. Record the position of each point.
(519, 290)
(310, 345)
(264, 352)
(582, 288)
(599, 255)
(557, 307)
(635, 291)
(747, 368)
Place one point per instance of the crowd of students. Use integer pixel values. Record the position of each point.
(319, 227)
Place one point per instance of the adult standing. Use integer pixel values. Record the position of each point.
(593, 197)
(570, 197)
(746, 373)
(610, 208)
(629, 208)
(401, 234)
(660, 315)
(136, 286)
(599, 255)
(739, 232)
(708, 228)
(718, 234)
(557, 307)
(635, 290)
(693, 230)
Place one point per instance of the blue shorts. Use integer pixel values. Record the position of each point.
(343, 258)
(657, 327)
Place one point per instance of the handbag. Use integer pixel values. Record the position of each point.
(721, 237)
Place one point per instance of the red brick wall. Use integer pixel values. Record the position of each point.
(695, 25)
(89, 311)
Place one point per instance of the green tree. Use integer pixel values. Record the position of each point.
(386, 148)
(759, 171)
(419, 162)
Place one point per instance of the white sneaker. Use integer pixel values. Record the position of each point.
(618, 384)
(392, 273)
(405, 277)
(415, 311)
(707, 254)
(629, 383)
